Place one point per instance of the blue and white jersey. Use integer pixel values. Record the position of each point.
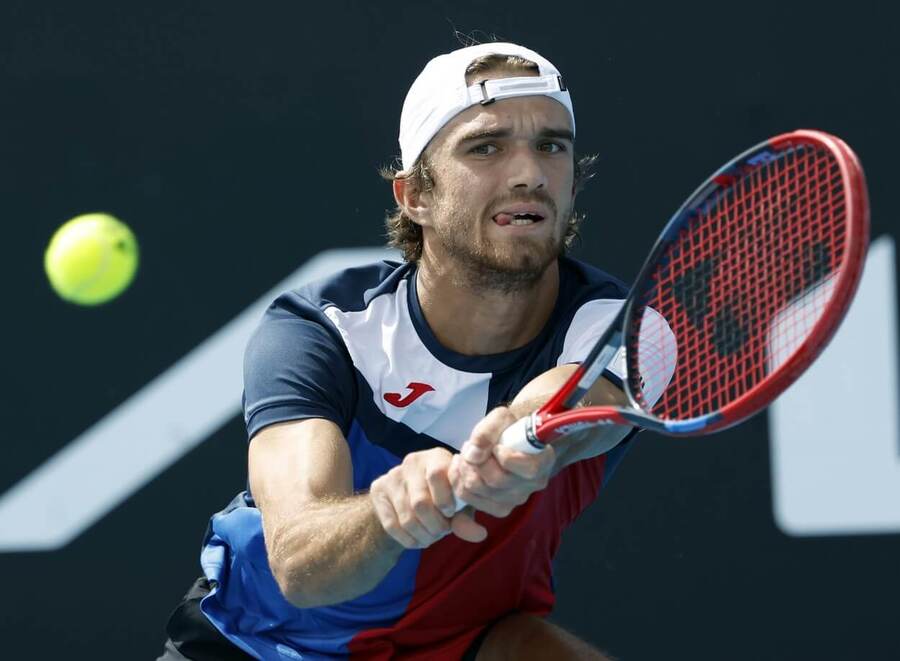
(356, 349)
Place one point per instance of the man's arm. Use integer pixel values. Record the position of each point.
(326, 545)
(574, 447)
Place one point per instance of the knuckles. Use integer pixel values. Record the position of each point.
(478, 484)
(471, 482)
(503, 414)
(377, 486)
(406, 519)
(495, 479)
(434, 473)
(392, 527)
(421, 506)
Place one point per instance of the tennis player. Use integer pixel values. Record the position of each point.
(374, 397)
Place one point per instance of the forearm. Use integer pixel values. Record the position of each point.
(328, 551)
(577, 446)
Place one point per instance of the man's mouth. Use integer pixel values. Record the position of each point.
(517, 218)
(520, 214)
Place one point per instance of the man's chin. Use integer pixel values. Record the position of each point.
(514, 272)
(528, 257)
(501, 266)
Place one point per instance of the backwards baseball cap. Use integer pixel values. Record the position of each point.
(440, 93)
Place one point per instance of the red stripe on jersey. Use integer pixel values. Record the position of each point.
(463, 587)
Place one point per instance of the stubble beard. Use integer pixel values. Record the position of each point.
(483, 267)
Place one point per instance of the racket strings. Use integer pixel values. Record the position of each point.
(742, 285)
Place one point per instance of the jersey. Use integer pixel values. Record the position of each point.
(356, 349)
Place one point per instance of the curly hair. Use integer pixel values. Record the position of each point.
(404, 233)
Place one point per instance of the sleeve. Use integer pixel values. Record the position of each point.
(590, 322)
(296, 367)
(657, 355)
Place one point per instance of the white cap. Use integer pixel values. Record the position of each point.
(440, 93)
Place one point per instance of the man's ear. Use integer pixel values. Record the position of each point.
(413, 201)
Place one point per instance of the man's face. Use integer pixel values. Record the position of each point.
(503, 190)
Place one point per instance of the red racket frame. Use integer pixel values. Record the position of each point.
(557, 417)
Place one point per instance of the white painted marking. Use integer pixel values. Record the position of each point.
(150, 431)
(835, 436)
(832, 474)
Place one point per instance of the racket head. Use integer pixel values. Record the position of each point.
(746, 285)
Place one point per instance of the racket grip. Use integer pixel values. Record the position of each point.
(518, 436)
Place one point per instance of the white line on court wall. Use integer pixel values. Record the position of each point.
(831, 474)
(834, 435)
(150, 431)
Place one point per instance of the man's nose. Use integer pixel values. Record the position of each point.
(525, 171)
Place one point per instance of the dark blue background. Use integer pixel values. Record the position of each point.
(238, 140)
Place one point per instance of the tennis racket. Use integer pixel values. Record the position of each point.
(744, 288)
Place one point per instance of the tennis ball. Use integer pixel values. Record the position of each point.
(91, 259)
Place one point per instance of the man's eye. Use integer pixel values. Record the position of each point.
(484, 150)
(552, 147)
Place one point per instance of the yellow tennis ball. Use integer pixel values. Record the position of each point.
(91, 259)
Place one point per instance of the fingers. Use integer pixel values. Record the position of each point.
(485, 435)
(390, 521)
(440, 490)
(487, 479)
(469, 484)
(465, 527)
(492, 506)
(420, 509)
(414, 501)
(503, 481)
(533, 467)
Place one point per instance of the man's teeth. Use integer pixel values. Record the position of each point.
(503, 218)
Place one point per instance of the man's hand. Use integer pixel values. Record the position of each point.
(415, 505)
(493, 478)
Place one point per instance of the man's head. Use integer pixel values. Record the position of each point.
(489, 174)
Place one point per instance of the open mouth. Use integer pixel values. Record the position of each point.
(504, 218)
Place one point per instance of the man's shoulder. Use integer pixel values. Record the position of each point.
(589, 301)
(583, 281)
(348, 290)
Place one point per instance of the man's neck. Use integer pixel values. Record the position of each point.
(477, 322)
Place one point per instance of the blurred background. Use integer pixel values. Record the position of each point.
(241, 142)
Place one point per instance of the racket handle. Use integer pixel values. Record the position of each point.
(518, 436)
